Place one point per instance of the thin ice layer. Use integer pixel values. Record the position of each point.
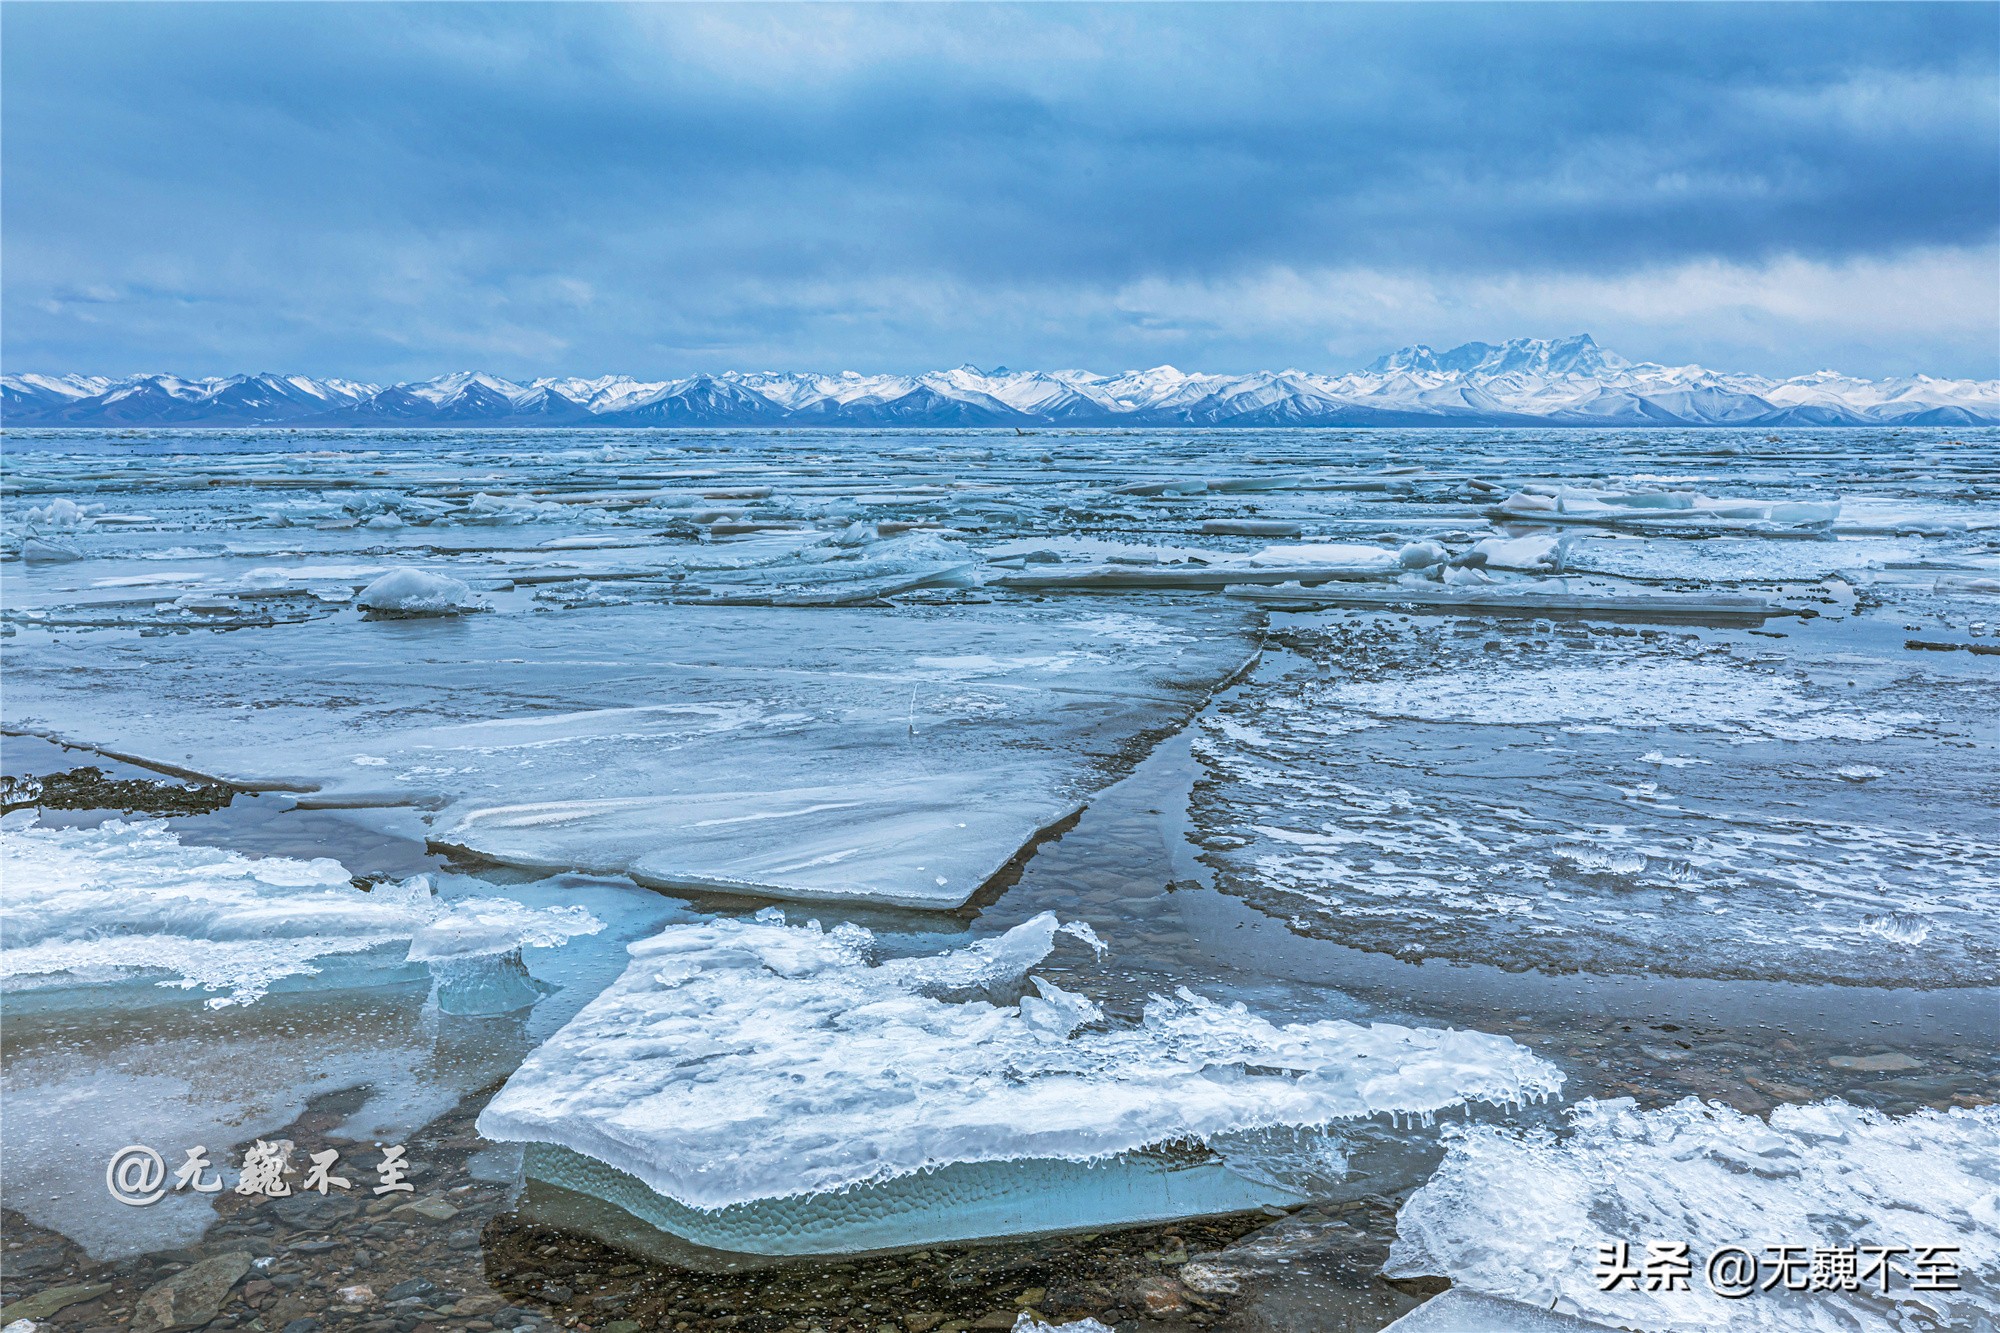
(104, 903)
(893, 754)
(741, 1060)
(1610, 801)
(1520, 1214)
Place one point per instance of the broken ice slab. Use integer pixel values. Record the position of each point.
(91, 907)
(927, 842)
(1521, 1215)
(1094, 578)
(764, 1088)
(901, 755)
(1570, 504)
(1537, 599)
(958, 1202)
(1457, 1311)
(1251, 527)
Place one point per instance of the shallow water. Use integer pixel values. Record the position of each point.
(1745, 864)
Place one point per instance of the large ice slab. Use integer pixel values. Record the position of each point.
(739, 1062)
(1520, 1214)
(1538, 597)
(897, 754)
(86, 905)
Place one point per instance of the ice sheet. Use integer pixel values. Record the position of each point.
(1520, 1214)
(900, 755)
(740, 1060)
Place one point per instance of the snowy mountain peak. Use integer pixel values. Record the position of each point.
(1577, 355)
(1541, 381)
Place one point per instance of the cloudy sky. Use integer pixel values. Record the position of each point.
(391, 191)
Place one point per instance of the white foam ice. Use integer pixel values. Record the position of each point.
(417, 592)
(743, 1060)
(128, 899)
(1520, 1213)
(1733, 698)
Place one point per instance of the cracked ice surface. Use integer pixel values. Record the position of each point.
(125, 899)
(899, 754)
(1610, 802)
(739, 1060)
(1520, 1213)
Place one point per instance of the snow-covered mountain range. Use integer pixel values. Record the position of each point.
(1526, 381)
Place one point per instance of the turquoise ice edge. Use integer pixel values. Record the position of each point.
(965, 1201)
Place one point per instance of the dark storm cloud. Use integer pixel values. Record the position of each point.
(377, 189)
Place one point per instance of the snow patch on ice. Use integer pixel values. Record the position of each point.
(415, 592)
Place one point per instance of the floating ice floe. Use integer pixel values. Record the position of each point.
(36, 547)
(1323, 563)
(1521, 1214)
(123, 899)
(1468, 591)
(1330, 555)
(1568, 504)
(415, 592)
(759, 1087)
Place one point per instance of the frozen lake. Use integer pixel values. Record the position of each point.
(799, 844)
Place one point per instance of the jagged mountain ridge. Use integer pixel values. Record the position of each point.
(1525, 381)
